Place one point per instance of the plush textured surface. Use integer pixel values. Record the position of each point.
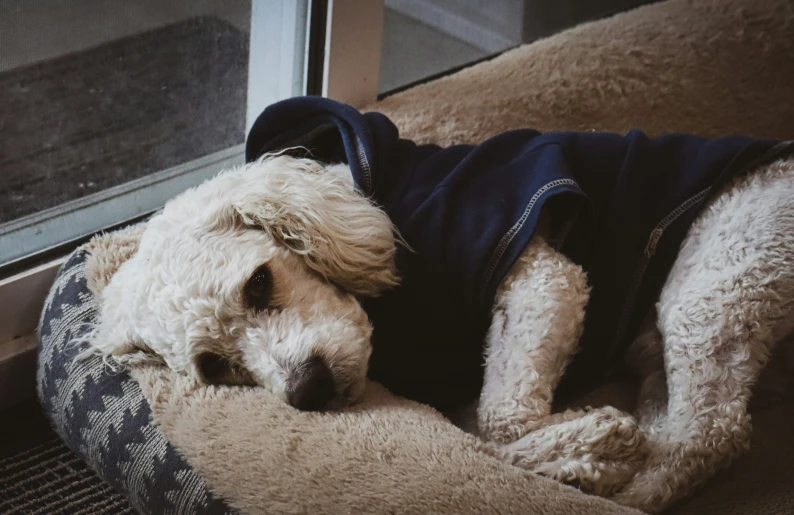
(385, 455)
(709, 67)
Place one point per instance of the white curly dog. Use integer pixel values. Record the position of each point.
(250, 277)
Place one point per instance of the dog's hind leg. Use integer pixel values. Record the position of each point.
(538, 319)
(728, 300)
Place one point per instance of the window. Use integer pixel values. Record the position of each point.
(111, 107)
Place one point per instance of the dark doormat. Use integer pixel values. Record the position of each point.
(40, 475)
(84, 122)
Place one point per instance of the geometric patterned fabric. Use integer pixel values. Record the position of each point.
(102, 415)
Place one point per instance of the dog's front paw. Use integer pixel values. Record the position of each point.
(598, 450)
(506, 423)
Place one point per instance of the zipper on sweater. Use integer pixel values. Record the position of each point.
(364, 164)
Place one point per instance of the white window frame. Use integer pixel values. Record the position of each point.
(277, 69)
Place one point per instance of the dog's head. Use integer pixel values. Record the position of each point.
(253, 278)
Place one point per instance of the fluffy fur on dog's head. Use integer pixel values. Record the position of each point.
(253, 278)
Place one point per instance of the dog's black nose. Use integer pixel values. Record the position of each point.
(312, 386)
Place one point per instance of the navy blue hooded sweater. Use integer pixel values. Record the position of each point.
(467, 212)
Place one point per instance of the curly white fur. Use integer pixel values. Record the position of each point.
(181, 294)
(726, 303)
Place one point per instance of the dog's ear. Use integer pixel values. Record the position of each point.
(316, 211)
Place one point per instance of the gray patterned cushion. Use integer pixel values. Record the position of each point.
(102, 416)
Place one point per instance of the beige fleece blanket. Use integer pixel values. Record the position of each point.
(709, 67)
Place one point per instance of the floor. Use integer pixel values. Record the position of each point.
(29, 428)
(39, 474)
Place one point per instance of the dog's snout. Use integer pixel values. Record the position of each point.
(312, 386)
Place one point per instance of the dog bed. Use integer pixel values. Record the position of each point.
(709, 67)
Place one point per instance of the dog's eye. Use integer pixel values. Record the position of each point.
(259, 289)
